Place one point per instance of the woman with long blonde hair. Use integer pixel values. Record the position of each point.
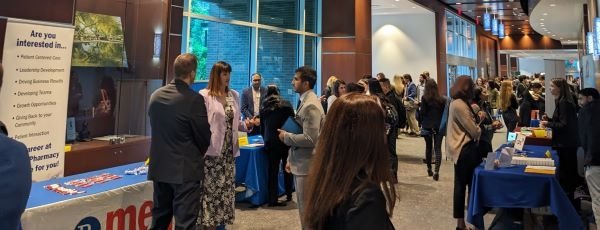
(398, 85)
(508, 104)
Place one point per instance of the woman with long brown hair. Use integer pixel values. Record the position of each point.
(432, 108)
(565, 135)
(462, 135)
(223, 109)
(349, 181)
(508, 104)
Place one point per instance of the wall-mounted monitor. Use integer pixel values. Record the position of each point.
(98, 41)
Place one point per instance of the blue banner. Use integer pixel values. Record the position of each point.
(487, 22)
(501, 30)
(590, 43)
(495, 27)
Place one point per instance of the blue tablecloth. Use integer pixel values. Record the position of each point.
(513, 188)
(251, 169)
(39, 196)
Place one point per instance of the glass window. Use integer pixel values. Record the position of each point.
(232, 9)
(282, 13)
(310, 13)
(206, 42)
(310, 51)
(277, 60)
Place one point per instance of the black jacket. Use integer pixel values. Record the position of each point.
(275, 111)
(365, 210)
(525, 108)
(397, 103)
(564, 125)
(180, 134)
(589, 135)
(432, 112)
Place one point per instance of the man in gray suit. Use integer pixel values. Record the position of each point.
(310, 116)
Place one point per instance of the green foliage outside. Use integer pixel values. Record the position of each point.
(98, 40)
(198, 35)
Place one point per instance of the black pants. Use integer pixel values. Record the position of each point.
(391, 139)
(464, 168)
(277, 158)
(568, 176)
(433, 145)
(179, 200)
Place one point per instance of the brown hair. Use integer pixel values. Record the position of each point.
(505, 94)
(463, 88)
(1, 74)
(214, 83)
(352, 143)
(565, 90)
(432, 95)
(185, 64)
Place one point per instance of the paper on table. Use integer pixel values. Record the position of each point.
(541, 169)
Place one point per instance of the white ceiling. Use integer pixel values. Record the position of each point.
(559, 19)
(562, 54)
(391, 7)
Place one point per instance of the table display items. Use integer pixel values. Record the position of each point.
(137, 171)
(87, 182)
(62, 190)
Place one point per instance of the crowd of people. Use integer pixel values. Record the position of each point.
(342, 162)
(334, 164)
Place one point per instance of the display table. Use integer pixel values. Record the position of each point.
(97, 155)
(251, 169)
(126, 203)
(102, 206)
(513, 188)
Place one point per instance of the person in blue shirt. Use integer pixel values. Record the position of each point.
(411, 103)
(15, 178)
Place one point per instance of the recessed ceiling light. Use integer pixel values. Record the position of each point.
(552, 5)
(561, 38)
(519, 28)
(554, 35)
(541, 19)
(397, 0)
(542, 25)
(545, 14)
(414, 7)
(458, 3)
(512, 25)
(549, 32)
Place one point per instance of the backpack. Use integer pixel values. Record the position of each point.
(391, 116)
(444, 121)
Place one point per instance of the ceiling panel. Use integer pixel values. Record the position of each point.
(510, 12)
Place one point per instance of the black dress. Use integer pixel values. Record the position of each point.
(565, 139)
(366, 209)
(510, 115)
(273, 115)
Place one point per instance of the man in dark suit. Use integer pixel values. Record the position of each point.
(180, 137)
(589, 100)
(252, 99)
(15, 181)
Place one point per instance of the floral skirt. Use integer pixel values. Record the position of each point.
(218, 197)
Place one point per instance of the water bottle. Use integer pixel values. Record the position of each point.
(549, 133)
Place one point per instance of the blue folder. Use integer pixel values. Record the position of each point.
(291, 126)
